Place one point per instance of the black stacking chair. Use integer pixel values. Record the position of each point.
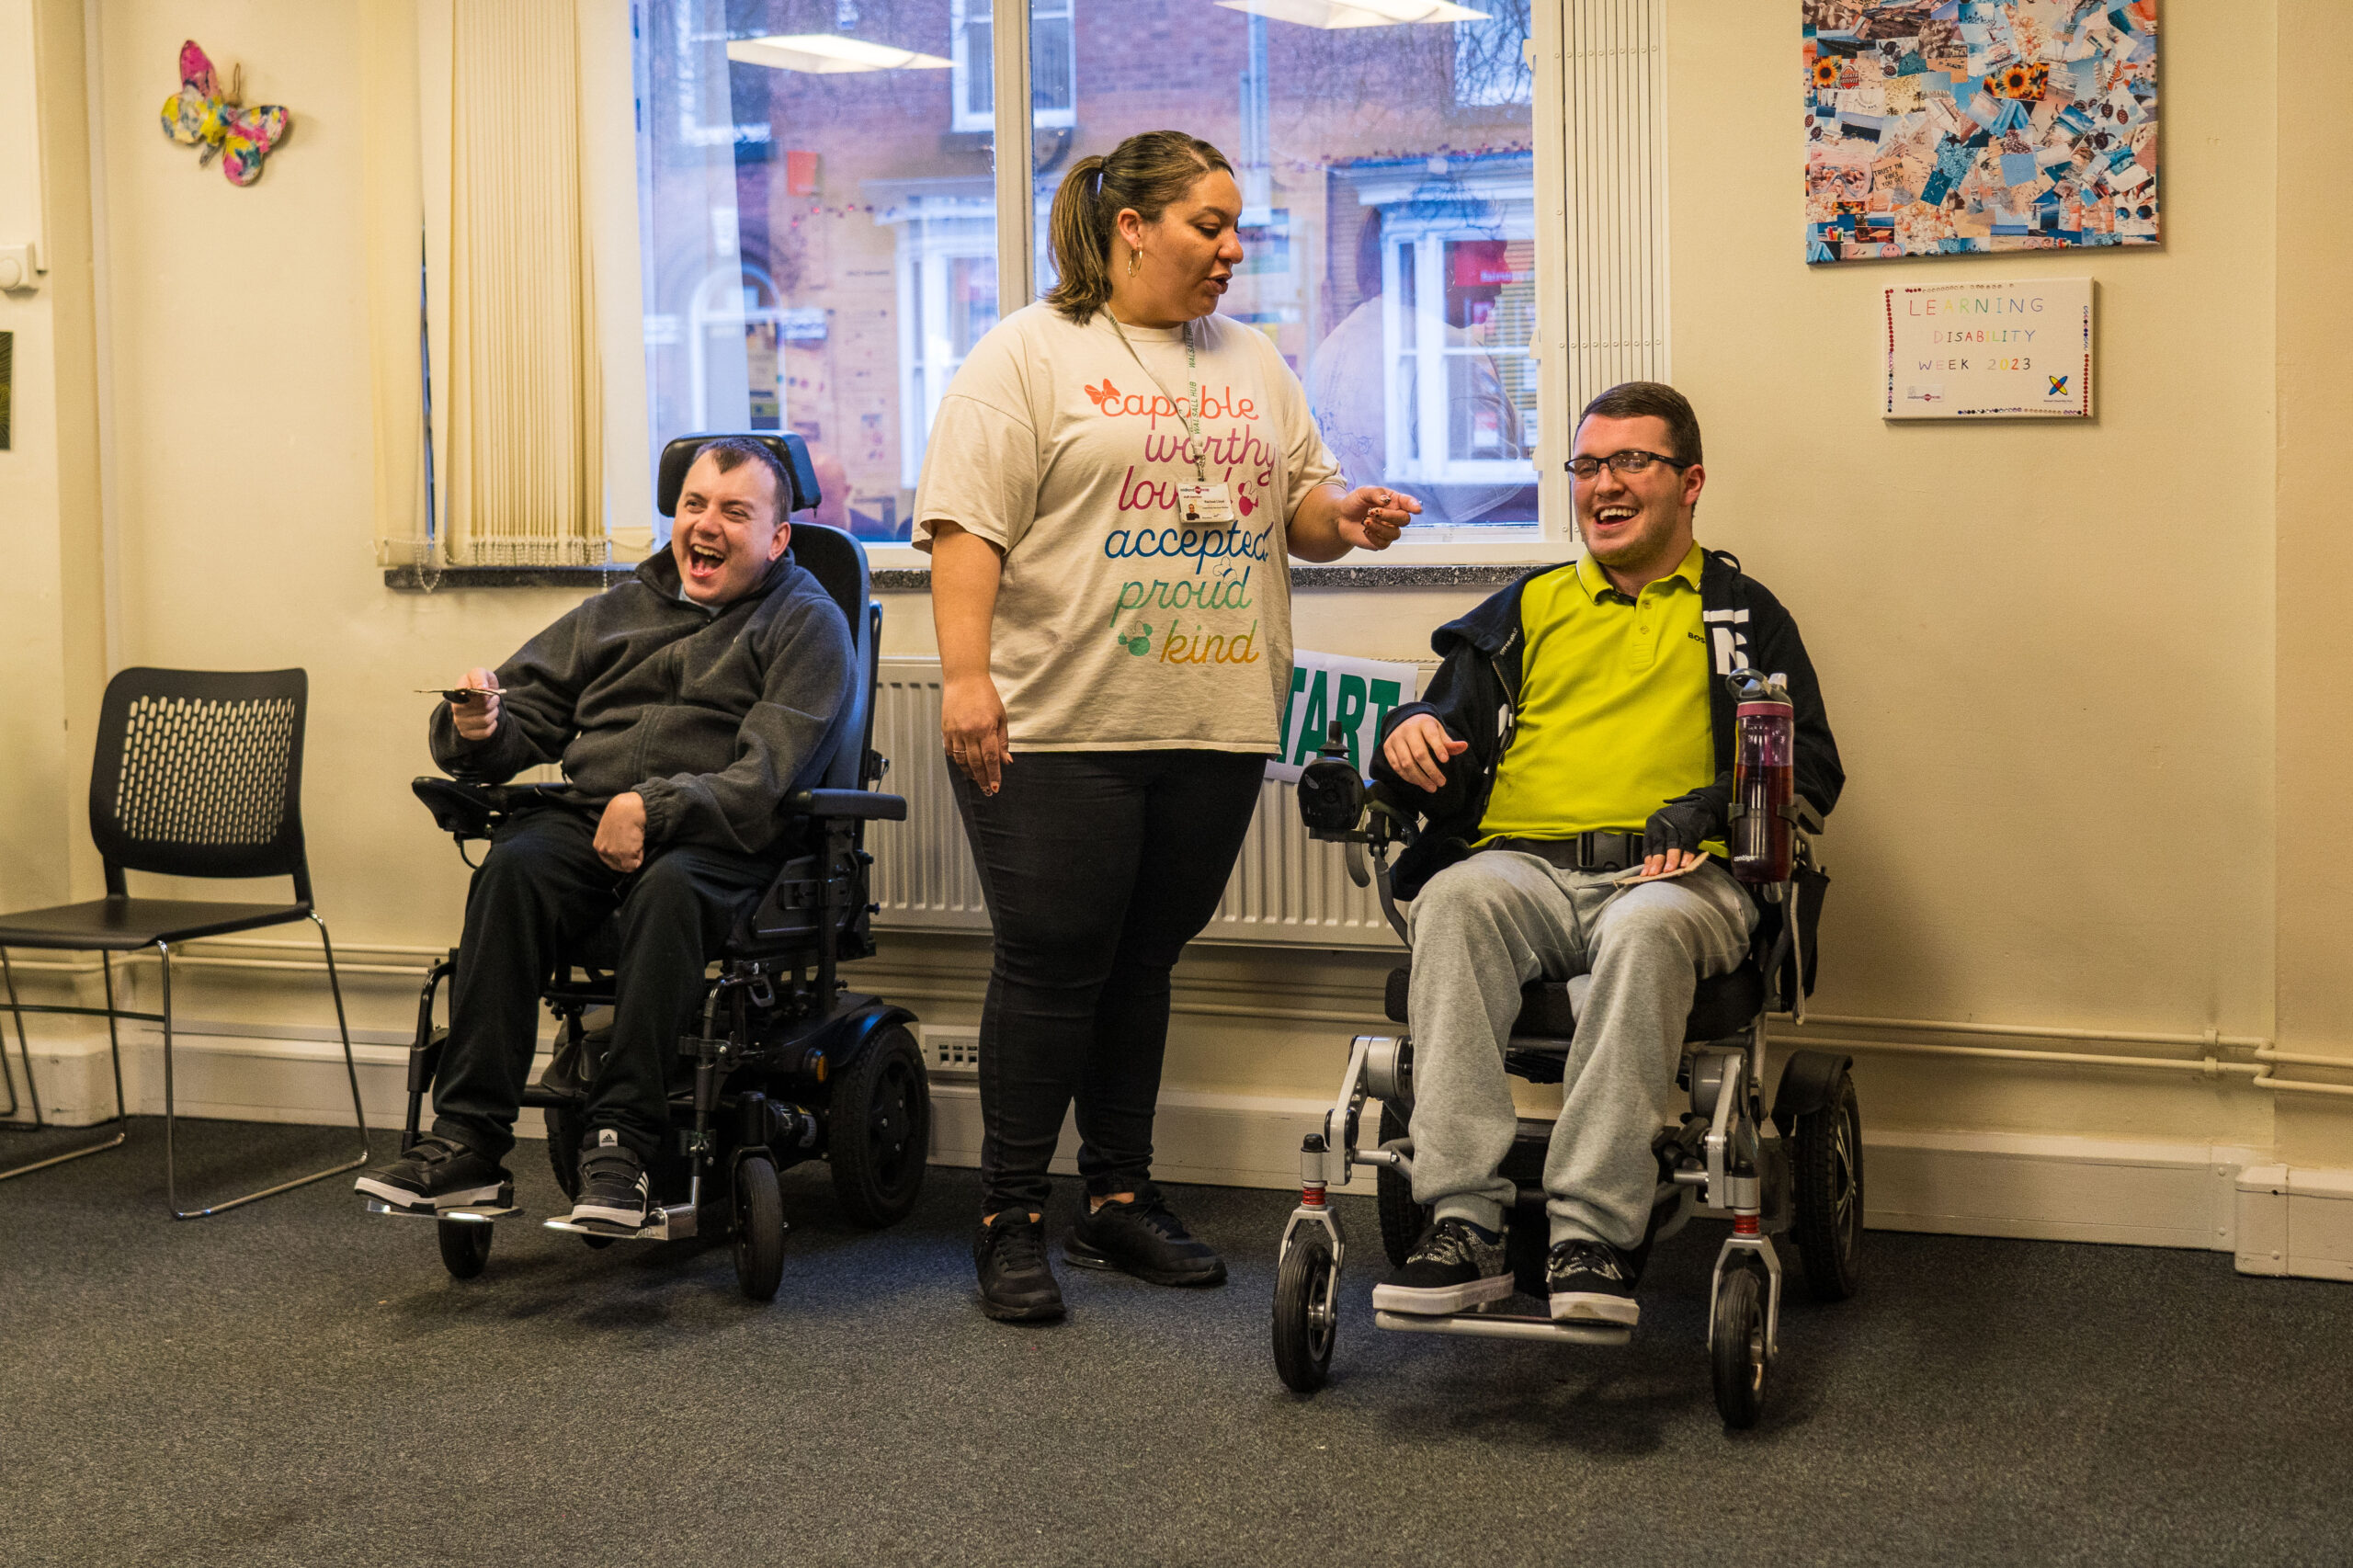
(199, 774)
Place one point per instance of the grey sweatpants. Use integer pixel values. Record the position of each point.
(1484, 926)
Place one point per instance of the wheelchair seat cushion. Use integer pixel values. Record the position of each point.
(1724, 1004)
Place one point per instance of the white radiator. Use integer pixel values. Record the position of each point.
(1287, 889)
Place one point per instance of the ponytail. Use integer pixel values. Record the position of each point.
(1146, 172)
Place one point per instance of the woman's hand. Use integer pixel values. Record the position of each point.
(1329, 524)
(1372, 516)
(971, 726)
(965, 569)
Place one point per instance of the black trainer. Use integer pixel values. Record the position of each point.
(1593, 1282)
(439, 1172)
(612, 1183)
(1455, 1267)
(1016, 1283)
(1143, 1238)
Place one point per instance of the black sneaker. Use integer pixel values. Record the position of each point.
(1016, 1283)
(1455, 1267)
(612, 1183)
(1143, 1238)
(439, 1172)
(1593, 1282)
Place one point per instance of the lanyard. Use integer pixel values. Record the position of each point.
(1198, 448)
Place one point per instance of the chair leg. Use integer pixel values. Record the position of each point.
(32, 1090)
(350, 1067)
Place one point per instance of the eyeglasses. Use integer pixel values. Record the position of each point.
(1631, 460)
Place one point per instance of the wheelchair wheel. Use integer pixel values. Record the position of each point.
(1304, 1330)
(880, 1130)
(759, 1227)
(1736, 1346)
(465, 1246)
(1402, 1220)
(1826, 1171)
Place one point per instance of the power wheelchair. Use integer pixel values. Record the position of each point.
(787, 1065)
(1796, 1173)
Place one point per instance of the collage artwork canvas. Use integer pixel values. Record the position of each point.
(1972, 126)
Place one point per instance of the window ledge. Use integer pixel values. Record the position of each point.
(431, 579)
(1347, 575)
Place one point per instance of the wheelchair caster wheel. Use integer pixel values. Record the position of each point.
(1737, 1348)
(465, 1246)
(759, 1229)
(1304, 1326)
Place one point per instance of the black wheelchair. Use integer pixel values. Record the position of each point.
(787, 1064)
(1798, 1172)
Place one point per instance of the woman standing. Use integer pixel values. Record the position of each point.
(1114, 479)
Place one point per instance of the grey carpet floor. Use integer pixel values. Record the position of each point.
(300, 1383)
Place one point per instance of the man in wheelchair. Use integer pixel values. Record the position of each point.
(1574, 761)
(685, 705)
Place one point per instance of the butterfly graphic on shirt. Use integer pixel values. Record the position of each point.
(201, 114)
(1102, 397)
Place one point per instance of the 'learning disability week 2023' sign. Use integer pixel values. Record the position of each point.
(1326, 689)
(1989, 350)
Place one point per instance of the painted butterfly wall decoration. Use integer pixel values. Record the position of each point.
(201, 114)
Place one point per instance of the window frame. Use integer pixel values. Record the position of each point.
(961, 117)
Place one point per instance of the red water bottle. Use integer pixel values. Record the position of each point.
(1763, 752)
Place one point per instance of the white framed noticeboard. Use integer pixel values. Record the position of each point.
(2018, 350)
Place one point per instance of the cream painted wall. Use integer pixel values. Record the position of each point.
(2314, 561)
(2049, 651)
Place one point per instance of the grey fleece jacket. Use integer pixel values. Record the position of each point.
(714, 718)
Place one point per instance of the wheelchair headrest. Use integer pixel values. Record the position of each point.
(789, 449)
(839, 563)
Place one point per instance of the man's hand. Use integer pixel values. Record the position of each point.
(1371, 518)
(1671, 839)
(972, 728)
(477, 717)
(1419, 749)
(620, 833)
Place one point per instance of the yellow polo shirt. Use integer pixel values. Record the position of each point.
(1613, 706)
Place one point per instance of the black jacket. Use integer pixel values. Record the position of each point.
(1475, 695)
(712, 718)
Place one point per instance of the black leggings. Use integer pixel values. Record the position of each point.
(1098, 868)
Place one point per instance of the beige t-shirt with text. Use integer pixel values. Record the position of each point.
(1118, 627)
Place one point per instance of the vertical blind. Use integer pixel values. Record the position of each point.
(1612, 51)
(525, 431)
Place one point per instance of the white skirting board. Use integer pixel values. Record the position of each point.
(2276, 1221)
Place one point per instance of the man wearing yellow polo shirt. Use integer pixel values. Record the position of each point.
(1579, 732)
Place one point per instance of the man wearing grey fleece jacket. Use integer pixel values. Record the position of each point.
(685, 705)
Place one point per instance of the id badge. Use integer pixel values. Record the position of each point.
(1205, 503)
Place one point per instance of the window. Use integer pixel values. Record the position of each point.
(828, 232)
(1053, 102)
(1388, 224)
(817, 257)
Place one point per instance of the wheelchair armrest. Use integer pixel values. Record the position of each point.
(460, 808)
(869, 804)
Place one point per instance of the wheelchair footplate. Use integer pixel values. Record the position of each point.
(1506, 1325)
(663, 1223)
(473, 1213)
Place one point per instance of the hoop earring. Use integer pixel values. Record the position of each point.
(1135, 259)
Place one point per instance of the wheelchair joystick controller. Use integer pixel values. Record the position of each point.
(1331, 791)
(1764, 752)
